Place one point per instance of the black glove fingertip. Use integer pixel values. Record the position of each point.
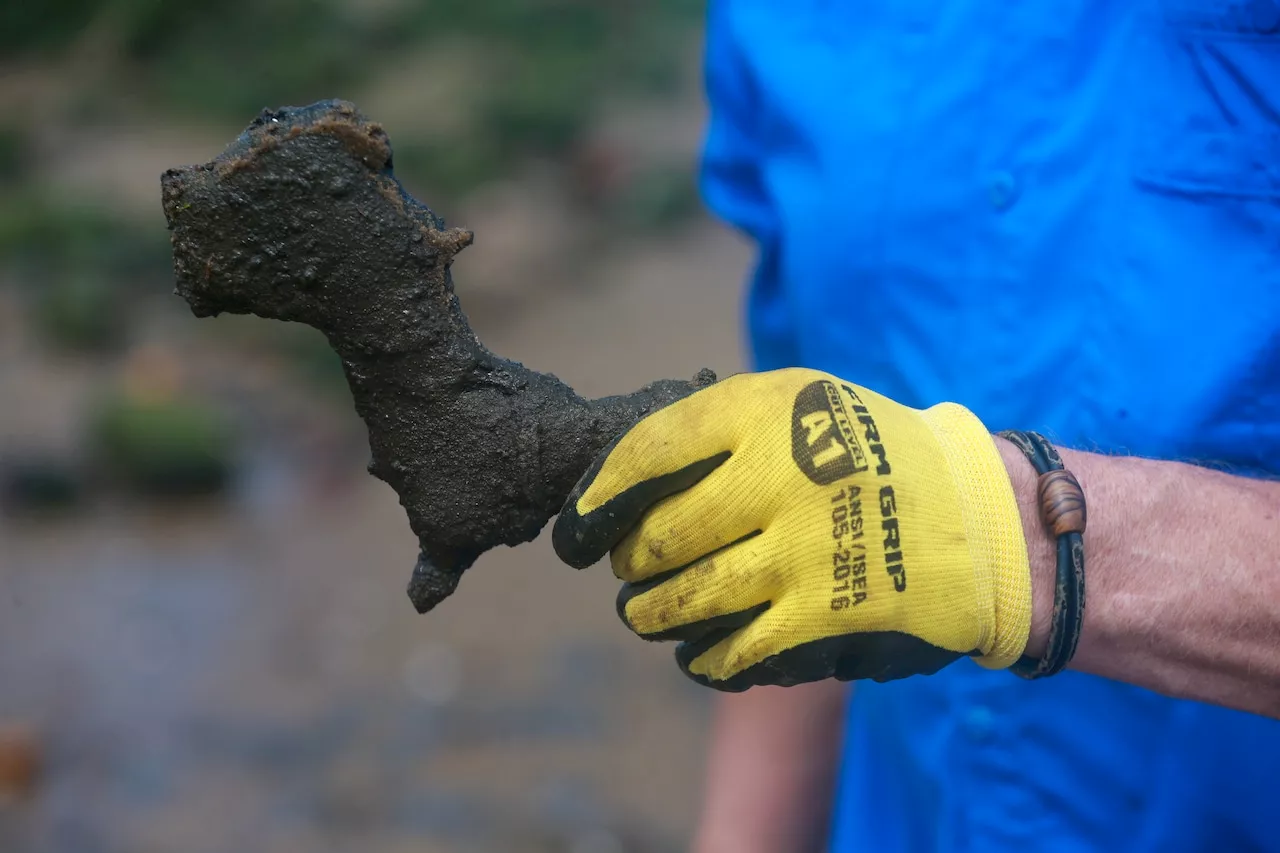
(581, 540)
(722, 625)
(687, 653)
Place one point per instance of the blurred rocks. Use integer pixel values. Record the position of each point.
(433, 673)
(596, 841)
(148, 437)
(40, 483)
(21, 762)
(162, 448)
(81, 312)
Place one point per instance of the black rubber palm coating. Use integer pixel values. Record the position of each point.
(302, 219)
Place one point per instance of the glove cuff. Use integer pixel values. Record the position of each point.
(993, 530)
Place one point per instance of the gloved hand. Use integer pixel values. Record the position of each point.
(789, 527)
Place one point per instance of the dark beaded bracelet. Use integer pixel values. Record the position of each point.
(1062, 509)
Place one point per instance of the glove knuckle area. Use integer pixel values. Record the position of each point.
(730, 661)
(723, 508)
(715, 420)
(665, 453)
(726, 589)
(581, 539)
(702, 425)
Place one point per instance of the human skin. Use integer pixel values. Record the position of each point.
(1182, 597)
(1182, 569)
(771, 769)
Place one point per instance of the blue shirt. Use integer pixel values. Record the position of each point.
(1065, 216)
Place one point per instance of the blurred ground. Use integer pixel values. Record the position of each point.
(218, 656)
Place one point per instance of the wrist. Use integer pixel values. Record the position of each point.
(996, 549)
(1041, 555)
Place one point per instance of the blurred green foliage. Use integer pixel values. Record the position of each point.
(80, 312)
(517, 81)
(37, 27)
(39, 483)
(313, 359)
(547, 66)
(162, 447)
(531, 75)
(657, 198)
(45, 235)
(13, 153)
(82, 267)
(541, 66)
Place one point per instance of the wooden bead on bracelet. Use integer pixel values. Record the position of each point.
(1061, 502)
(1062, 512)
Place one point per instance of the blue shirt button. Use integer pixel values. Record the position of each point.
(1002, 190)
(979, 723)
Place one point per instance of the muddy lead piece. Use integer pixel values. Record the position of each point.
(302, 219)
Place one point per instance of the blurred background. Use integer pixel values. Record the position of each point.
(204, 640)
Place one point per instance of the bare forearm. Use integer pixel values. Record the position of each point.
(771, 769)
(1183, 577)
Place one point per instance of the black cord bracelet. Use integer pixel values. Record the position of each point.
(1062, 509)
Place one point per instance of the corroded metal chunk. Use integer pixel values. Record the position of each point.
(302, 219)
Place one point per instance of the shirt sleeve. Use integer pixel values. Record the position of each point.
(732, 183)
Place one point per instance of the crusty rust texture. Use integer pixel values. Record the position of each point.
(302, 219)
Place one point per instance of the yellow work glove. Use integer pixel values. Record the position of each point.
(789, 527)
